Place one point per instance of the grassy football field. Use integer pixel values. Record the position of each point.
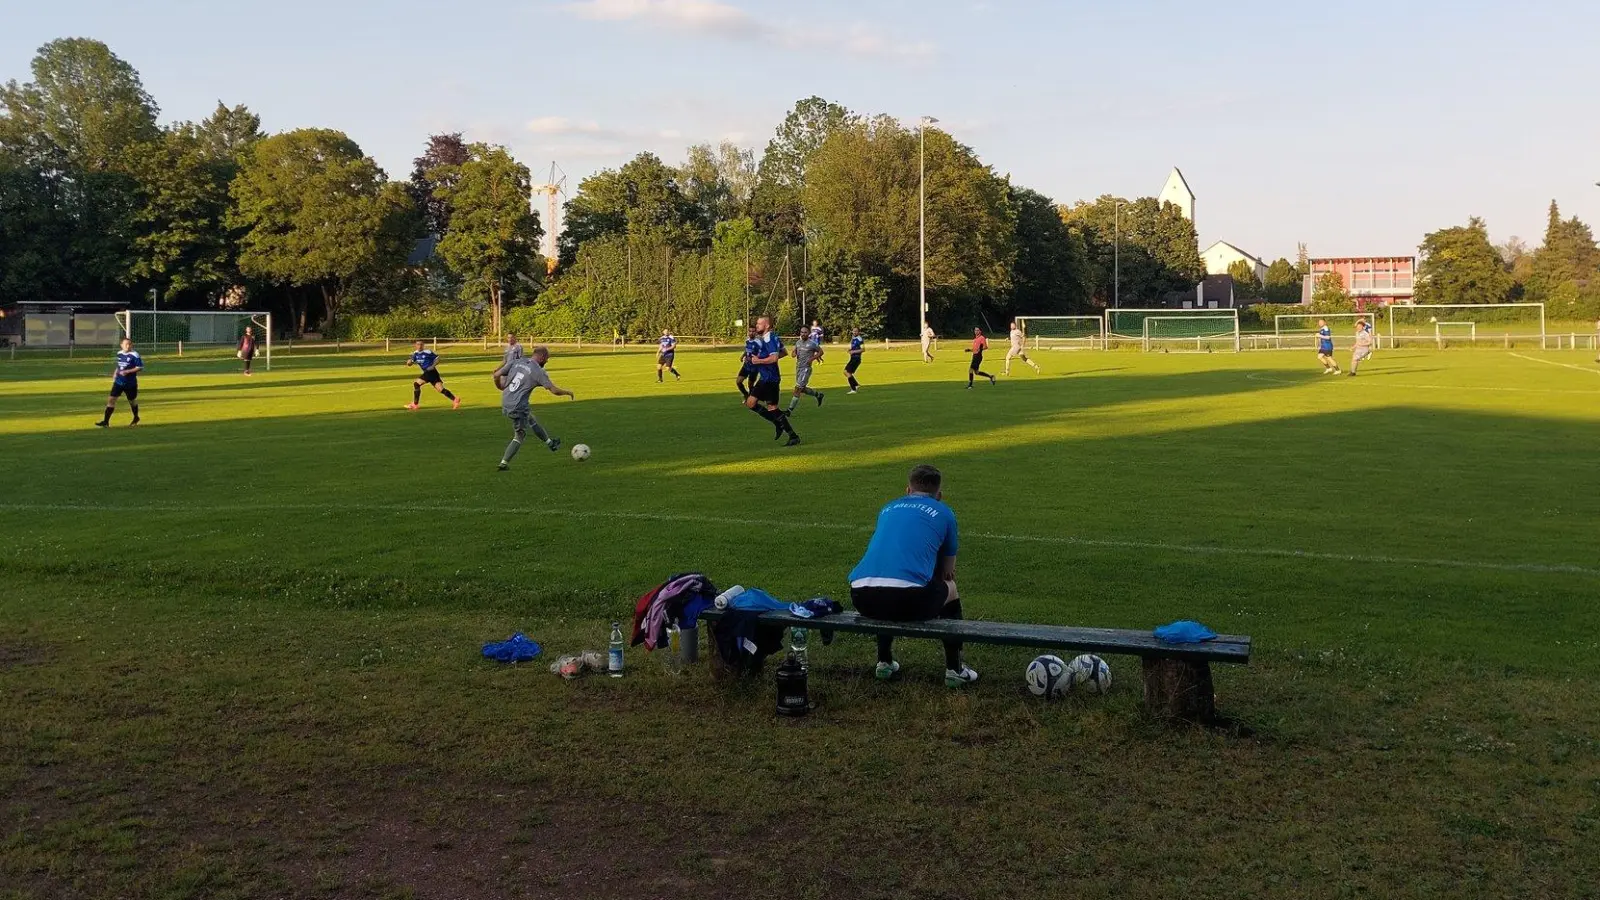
(239, 643)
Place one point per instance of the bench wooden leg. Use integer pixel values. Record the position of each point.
(1179, 689)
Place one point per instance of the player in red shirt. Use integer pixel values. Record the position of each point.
(979, 344)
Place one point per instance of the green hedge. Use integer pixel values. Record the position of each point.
(409, 324)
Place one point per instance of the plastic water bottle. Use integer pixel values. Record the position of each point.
(614, 661)
(726, 597)
(674, 651)
(797, 646)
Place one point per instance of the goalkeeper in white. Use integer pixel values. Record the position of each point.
(1016, 351)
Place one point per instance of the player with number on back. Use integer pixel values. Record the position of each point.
(806, 353)
(428, 362)
(125, 381)
(666, 354)
(857, 345)
(766, 350)
(1363, 348)
(1325, 348)
(524, 375)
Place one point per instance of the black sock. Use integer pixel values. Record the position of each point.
(853, 383)
(135, 408)
(952, 649)
(109, 411)
(762, 411)
(969, 378)
(416, 394)
(447, 394)
(674, 373)
(781, 419)
(885, 649)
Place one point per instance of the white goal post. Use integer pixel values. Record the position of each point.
(1063, 332)
(1289, 328)
(1502, 324)
(197, 329)
(1191, 334)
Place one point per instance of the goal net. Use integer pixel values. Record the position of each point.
(1192, 334)
(1296, 331)
(1127, 325)
(1466, 324)
(1063, 332)
(205, 332)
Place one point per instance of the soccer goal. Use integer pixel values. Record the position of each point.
(1126, 326)
(1064, 332)
(1295, 331)
(1191, 334)
(191, 331)
(1474, 324)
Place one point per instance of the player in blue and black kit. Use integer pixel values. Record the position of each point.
(428, 362)
(124, 382)
(857, 345)
(747, 372)
(1325, 348)
(765, 352)
(665, 356)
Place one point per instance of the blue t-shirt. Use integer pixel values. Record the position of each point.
(128, 359)
(816, 333)
(668, 343)
(425, 358)
(855, 345)
(912, 533)
(768, 344)
(1325, 338)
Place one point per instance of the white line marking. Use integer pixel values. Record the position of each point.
(1551, 362)
(1258, 376)
(1059, 540)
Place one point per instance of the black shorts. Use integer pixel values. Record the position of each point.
(746, 372)
(665, 359)
(431, 376)
(901, 604)
(766, 392)
(977, 361)
(130, 389)
(853, 365)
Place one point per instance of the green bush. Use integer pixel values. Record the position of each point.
(409, 324)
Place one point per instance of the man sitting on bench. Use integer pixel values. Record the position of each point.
(908, 573)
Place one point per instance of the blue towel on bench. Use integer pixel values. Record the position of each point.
(1184, 631)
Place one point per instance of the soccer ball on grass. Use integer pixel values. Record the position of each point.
(1092, 673)
(1047, 677)
(580, 452)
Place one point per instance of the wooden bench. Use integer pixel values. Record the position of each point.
(1177, 677)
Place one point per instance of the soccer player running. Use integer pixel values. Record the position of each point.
(806, 353)
(524, 375)
(125, 381)
(927, 343)
(747, 372)
(247, 348)
(908, 573)
(1325, 348)
(816, 332)
(1363, 348)
(979, 344)
(666, 354)
(763, 399)
(1017, 350)
(428, 362)
(857, 345)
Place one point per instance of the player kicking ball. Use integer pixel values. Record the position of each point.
(125, 381)
(807, 352)
(979, 344)
(428, 362)
(1017, 350)
(666, 353)
(1363, 348)
(517, 384)
(1325, 348)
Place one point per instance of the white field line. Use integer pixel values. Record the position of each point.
(1257, 376)
(1551, 362)
(1058, 540)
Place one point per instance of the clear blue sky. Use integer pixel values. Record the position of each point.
(1354, 126)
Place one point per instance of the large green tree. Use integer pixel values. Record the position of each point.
(1245, 286)
(718, 180)
(1565, 271)
(444, 153)
(1051, 275)
(776, 203)
(315, 212)
(1152, 244)
(642, 200)
(1283, 284)
(493, 236)
(1328, 293)
(1460, 265)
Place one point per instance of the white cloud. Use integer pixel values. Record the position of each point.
(723, 20)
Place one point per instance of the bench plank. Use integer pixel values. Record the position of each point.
(1226, 648)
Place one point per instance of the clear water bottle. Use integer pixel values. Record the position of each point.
(674, 651)
(797, 646)
(614, 659)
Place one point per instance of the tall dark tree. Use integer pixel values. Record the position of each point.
(1051, 275)
(443, 151)
(1156, 244)
(642, 200)
(1283, 282)
(1567, 268)
(1459, 265)
(1245, 286)
(777, 205)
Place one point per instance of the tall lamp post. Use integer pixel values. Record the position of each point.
(1116, 256)
(922, 225)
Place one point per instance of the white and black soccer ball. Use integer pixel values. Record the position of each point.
(580, 452)
(1091, 673)
(1047, 677)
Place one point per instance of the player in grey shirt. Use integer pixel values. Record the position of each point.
(512, 354)
(806, 352)
(521, 378)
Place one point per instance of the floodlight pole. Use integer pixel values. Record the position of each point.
(922, 224)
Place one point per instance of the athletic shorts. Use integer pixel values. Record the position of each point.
(765, 392)
(521, 419)
(977, 361)
(853, 364)
(746, 372)
(802, 377)
(665, 359)
(901, 604)
(130, 390)
(431, 376)
(1325, 350)
(1361, 353)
